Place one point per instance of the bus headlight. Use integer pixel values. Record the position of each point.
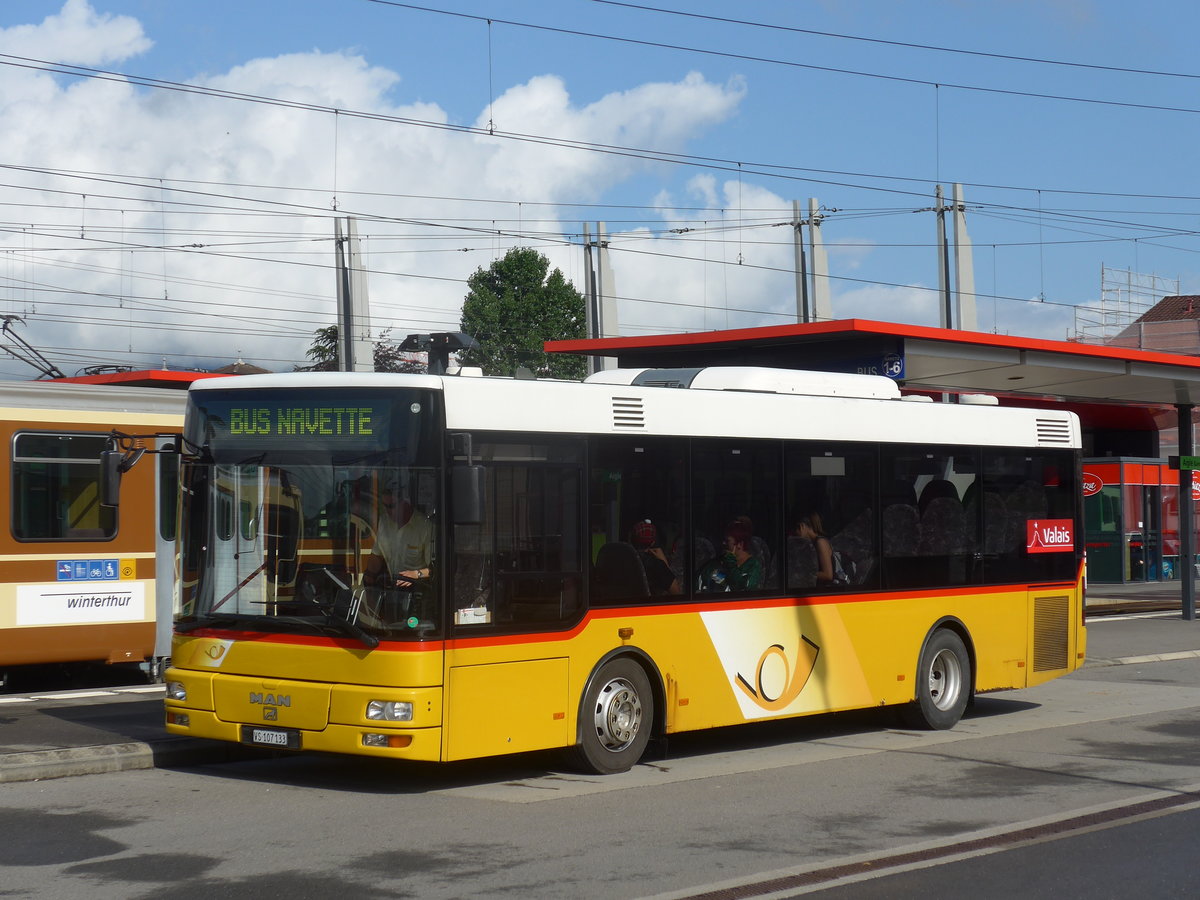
(176, 690)
(389, 710)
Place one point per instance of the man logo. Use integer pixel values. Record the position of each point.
(270, 713)
(270, 699)
(792, 683)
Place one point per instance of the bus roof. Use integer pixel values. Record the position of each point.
(721, 401)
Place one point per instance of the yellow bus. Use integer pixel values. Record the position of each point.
(450, 567)
(78, 582)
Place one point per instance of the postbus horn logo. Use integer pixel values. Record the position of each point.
(793, 682)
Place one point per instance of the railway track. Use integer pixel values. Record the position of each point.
(1100, 610)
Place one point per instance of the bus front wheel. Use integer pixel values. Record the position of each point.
(615, 719)
(943, 683)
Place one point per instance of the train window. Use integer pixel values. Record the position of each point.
(56, 488)
(168, 495)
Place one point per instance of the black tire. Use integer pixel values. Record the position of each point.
(944, 682)
(616, 716)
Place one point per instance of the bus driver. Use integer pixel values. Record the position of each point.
(403, 541)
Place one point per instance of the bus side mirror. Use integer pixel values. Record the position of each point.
(113, 464)
(467, 485)
(110, 477)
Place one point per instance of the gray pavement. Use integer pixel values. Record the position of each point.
(109, 729)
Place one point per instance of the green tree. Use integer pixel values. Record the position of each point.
(513, 307)
(387, 355)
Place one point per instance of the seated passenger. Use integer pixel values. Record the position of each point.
(738, 569)
(810, 527)
(659, 576)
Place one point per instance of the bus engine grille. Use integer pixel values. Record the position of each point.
(1050, 633)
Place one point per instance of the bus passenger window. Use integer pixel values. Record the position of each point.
(637, 498)
(1020, 487)
(522, 565)
(736, 507)
(830, 490)
(930, 534)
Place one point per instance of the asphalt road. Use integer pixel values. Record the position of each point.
(1082, 767)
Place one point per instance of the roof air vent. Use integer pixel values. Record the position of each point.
(628, 413)
(1054, 431)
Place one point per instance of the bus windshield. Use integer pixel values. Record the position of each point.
(312, 512)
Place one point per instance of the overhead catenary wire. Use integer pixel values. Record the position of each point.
(254, 251)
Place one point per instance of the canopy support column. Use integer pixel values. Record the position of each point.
(1187, 529)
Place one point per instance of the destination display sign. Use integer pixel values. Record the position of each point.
(287, 420)
(323, 421)
(312, 426)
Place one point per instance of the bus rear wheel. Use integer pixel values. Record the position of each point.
(615, 719)
(943, 683)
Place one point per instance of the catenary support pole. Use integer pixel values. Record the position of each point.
(1187, 529)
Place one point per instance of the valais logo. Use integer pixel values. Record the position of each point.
(1091, 484)
(1049, 535)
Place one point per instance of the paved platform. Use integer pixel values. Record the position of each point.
(117, 728)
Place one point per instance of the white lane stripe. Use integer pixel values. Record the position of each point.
(86, 694)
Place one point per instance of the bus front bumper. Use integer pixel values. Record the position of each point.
(373, 739)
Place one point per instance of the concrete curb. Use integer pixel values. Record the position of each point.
(100, 759)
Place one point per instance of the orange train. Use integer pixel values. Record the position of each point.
(81, 581)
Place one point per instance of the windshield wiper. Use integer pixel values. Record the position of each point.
(345, 626)
(208, 622)
(331, 623)
(352, 629)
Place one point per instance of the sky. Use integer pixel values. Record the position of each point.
(170, 173)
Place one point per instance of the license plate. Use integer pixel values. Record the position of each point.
(271, 737)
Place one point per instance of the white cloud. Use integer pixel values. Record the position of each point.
(662, 116)
(216, 220)
(212, 237)
(77, 35)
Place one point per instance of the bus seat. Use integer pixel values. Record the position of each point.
(702, 555)
(944, 528)
(854, 542)
(901, 530)
(619, 572)
(937, 489)
(801, 562)
(995, 521)
(1027, 502)
(762, 551)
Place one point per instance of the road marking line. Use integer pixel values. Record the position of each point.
(1148, 658)
(801, 880)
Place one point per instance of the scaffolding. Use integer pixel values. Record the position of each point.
(1125, 296)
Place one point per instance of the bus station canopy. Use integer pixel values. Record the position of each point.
(922, 358)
